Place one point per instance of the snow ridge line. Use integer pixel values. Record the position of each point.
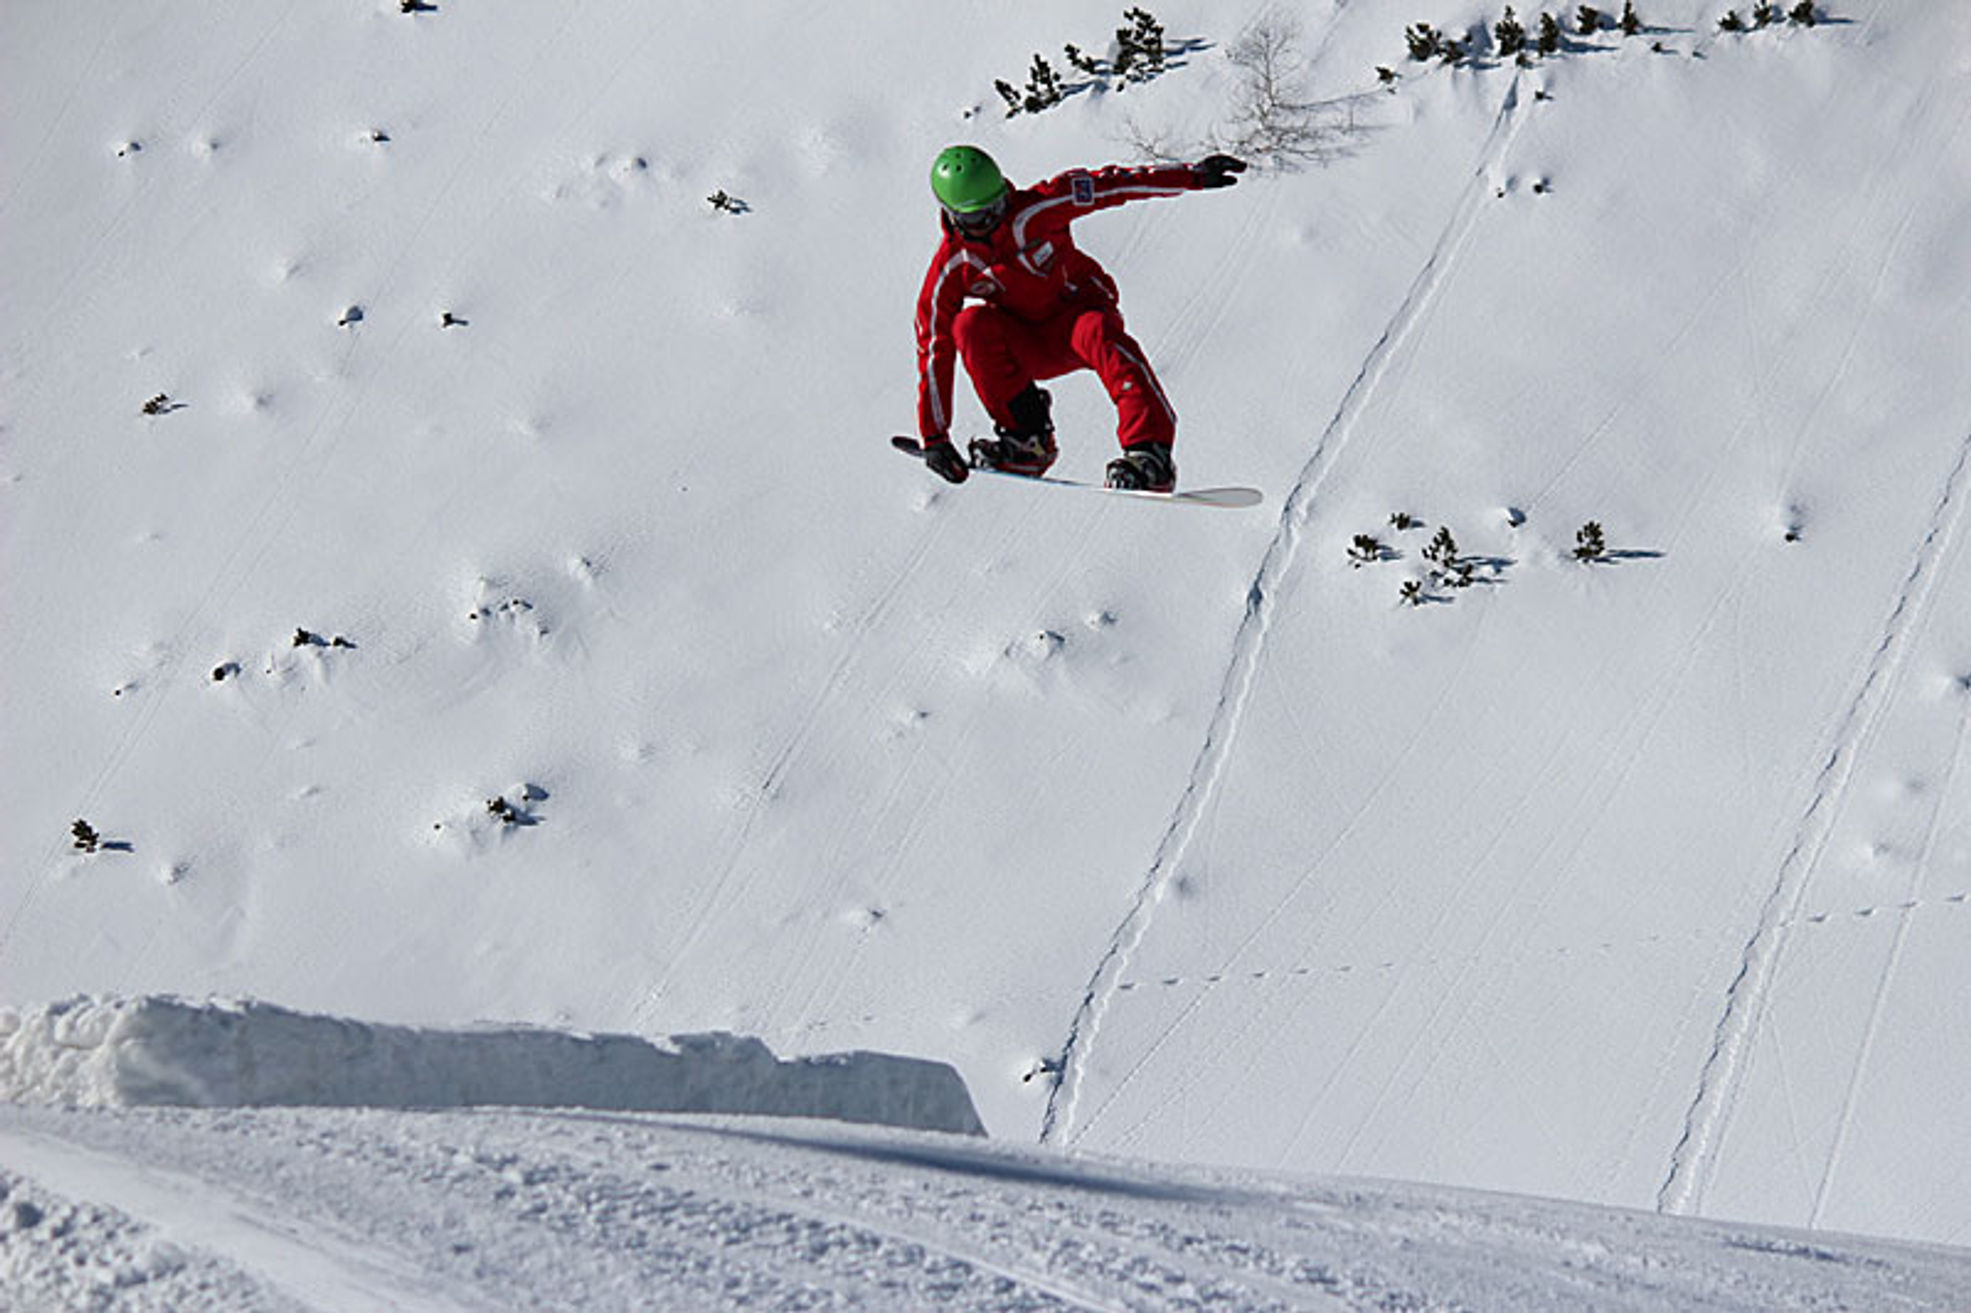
(1248, 644)
(1747, 996)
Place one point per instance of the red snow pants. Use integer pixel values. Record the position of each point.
(1004, 354)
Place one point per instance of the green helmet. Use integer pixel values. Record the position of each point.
(965, 179)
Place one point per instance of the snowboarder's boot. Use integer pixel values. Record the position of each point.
(1145, 467)
(1026, 446)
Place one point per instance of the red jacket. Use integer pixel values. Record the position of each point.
(1028, 266)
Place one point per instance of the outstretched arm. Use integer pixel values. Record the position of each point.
(1083, 191)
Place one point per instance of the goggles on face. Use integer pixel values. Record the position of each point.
(979, 222)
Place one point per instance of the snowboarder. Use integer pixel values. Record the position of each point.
(1047, 309)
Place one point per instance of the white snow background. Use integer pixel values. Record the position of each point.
(1642, 883)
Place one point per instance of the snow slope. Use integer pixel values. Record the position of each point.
(1668, 853)
(1641, 883)
(363, 1210)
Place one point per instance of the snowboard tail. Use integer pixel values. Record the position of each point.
(1230, 497)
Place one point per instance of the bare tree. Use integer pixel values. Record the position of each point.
(1270, 119)
(1153, 144)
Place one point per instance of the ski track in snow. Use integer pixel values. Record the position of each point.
(1749, 995)
(1058, 1122)
(1878, 1007)
(1913, 894)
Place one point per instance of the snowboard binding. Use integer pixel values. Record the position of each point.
(1026, 446)
(1146, 467)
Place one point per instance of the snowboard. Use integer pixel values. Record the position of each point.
(1228, 497)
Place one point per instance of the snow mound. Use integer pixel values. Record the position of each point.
(122, 1052)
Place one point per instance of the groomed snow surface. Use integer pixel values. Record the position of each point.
(414, 1203)
(460, 576)
(579, 1210)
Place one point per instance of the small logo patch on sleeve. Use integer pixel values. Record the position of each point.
(1084, 189)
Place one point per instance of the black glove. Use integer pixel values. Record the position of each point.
(944, 460)
(1217, 170)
